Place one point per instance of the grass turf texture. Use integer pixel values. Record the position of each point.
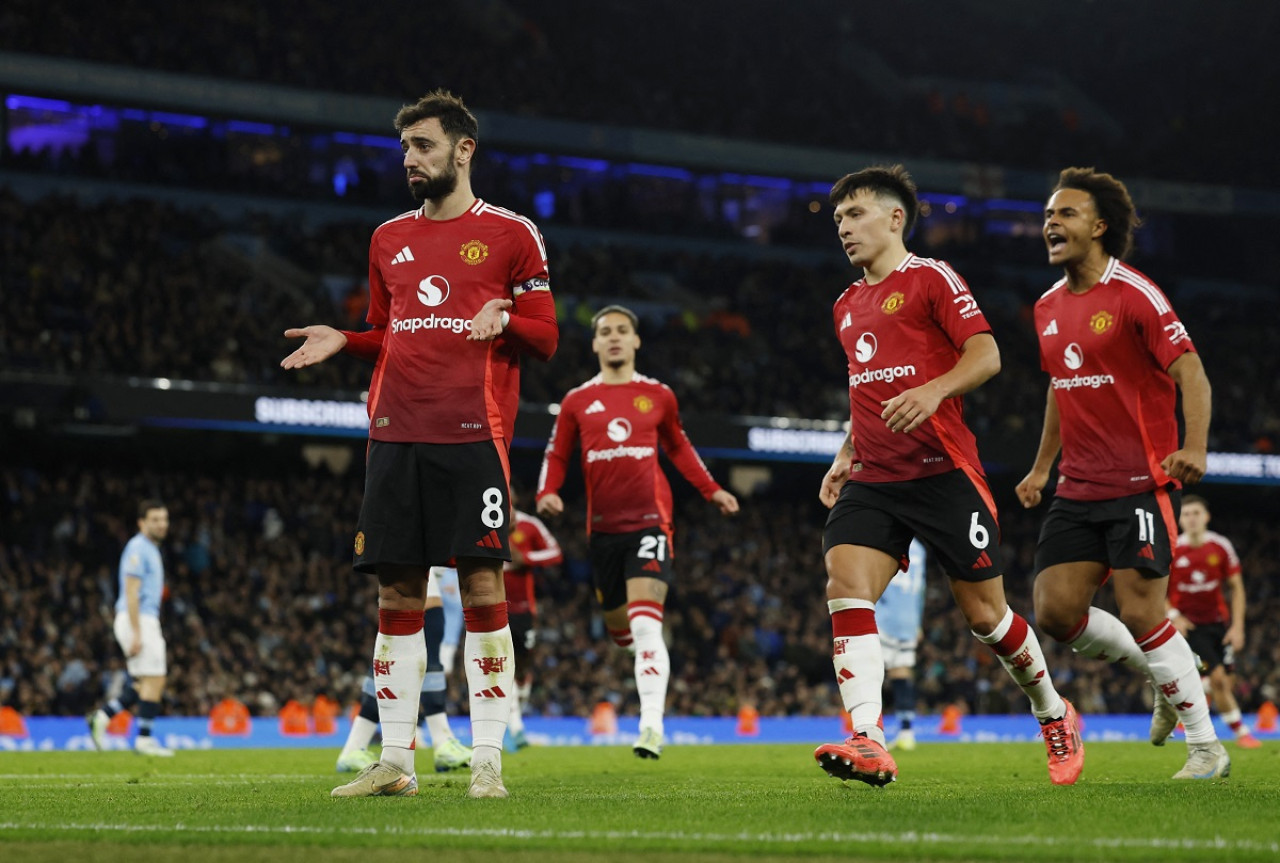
(711, 803)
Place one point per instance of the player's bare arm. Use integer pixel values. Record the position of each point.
(979, 362)
(321, 343)
(838, 473)
(550, 504)
(1235, 632)
(1050, 442)
(1189, 464)
(725, 502)
(490, 321)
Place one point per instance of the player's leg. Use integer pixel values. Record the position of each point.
(522, 638)
(856, 576)
(451, 602)
(448, 753)
(488, 656)
(355, 755)
(100, 718)
(1223, 683)
(900, 662)
(646, 602)
(150, 668)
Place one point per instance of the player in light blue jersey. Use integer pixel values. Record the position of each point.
(898, 614)
(137, 630)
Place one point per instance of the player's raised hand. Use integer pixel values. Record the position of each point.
(1029, 489)
(550, 504)
(908, 410)
(1185, 465)
(321, 343)
(727, 503)
(487, 324)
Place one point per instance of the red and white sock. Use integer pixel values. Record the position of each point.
(1235, 721)
(1101, 635)
(1174, 672)
(1019, 652)
(653, 663)
(399, 663)
(858, 660)
(489, 657)
(623, 638)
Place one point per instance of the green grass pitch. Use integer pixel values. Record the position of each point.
(953, 802)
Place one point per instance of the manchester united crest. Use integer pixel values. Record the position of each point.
(359, 542)
(644, 404)
(474, 252)
(1101, 322)
(893, 303)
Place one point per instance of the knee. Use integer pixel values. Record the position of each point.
(1057, 623)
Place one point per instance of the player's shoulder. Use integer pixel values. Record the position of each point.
(647, 381)
(847, 294)
(508, 221)
(531, 519)
(1212, 536)
(582, 390)
(927, 269)
(1134, 286)
(1054, 293)
(403, 220)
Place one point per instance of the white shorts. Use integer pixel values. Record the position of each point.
(898, 652)
(150, 662)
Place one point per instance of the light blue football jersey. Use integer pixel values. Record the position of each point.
(901, 606)
(141, 559)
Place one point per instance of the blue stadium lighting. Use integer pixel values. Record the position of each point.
(663, 171)
(540, 159)
(35, 103)
(544, 204)
(185, 121)
(755, 180)
(358, 140)
(245, 127)
(1016, 206)
(577, 163)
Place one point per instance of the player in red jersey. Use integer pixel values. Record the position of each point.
(1203, 562)
(458, 291)
(916, 341)
(621, 417)
(1114, 350)
(532, 548)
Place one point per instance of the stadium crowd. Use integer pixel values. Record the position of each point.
(263, 605)
(139, 287)
(623, 64)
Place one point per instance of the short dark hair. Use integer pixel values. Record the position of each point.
(1114, 206)
(615, 310)
(891, 181)
(149, 504)
(455, 119)
(1195, 498)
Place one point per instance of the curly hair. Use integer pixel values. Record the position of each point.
(1114, 206)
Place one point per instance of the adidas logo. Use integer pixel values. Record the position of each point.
(652, 566)
(845, 674)
(490, 540)
(847, 322)
(495, 692)
(650, 671)
(385, 692)
(1147, 552)
(982, 562)
(1052, 329)
(595, 408)
(404, 255)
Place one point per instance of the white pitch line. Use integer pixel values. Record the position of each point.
(1217, 843)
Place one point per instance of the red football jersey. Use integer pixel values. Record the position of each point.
(427, 280)
(1106, 352)
(898, 334)
(1197, 575)
(539, 548)
(620, 426)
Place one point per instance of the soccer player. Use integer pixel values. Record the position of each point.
(532, 548)
(620, 417)
(459, 291)
(1203, 562)
(1114, 350)
(916, 341)
(137, 630)
(898, 613)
